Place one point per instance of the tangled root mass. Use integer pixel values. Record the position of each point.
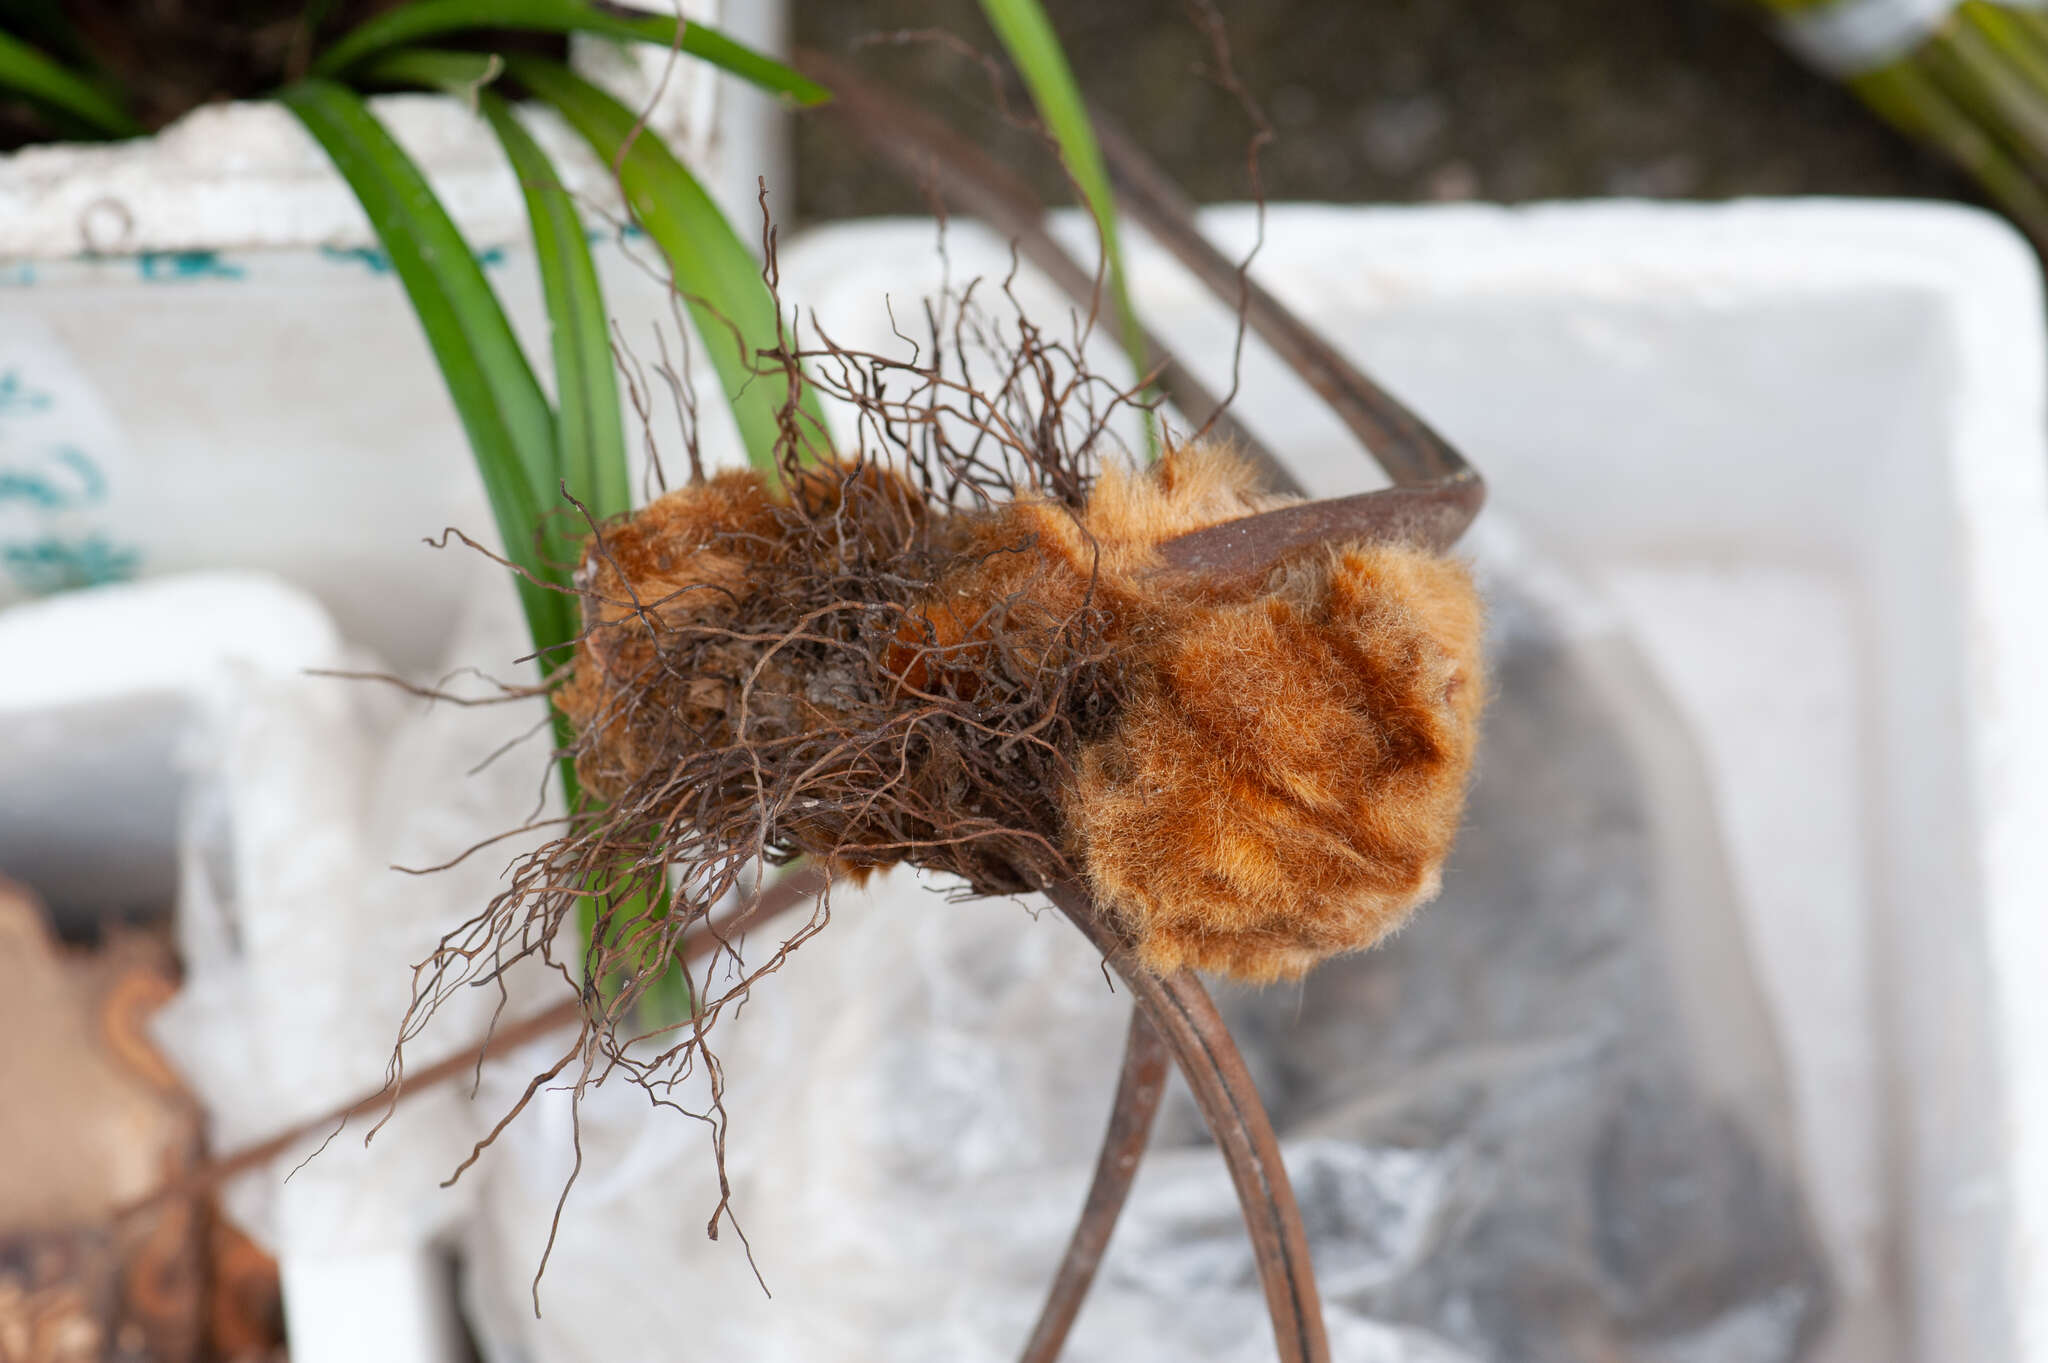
(1249, 779)
(958, 646)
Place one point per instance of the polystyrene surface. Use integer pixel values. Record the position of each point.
(1801, 444)
(206, 362)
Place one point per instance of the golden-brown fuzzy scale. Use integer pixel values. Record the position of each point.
(1288, 772)
(1285, 768)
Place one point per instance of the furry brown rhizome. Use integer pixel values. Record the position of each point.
(1249, 775)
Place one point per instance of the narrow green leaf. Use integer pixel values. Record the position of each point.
(1029, 38)
(1915, 102)
(29, 72)
(503, 411)
(592, 438)
(592, 454)
(590, 435)
(428, 19)
(734, 313)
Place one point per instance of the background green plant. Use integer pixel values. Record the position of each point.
(1975, 89)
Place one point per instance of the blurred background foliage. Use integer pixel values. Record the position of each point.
(1406, 101)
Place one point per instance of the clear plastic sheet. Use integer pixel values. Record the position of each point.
(1590, 1172)
(298, 936)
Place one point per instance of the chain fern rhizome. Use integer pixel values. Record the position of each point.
(961, 643)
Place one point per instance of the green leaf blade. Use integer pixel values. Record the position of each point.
(428, 19)
(502, 409)
(1034, 47)
(591, 435)
(461, 74)
(28, 72)
(734, 313)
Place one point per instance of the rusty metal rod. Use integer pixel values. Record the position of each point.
(1437, 493)
(793, 889)
(1181, 1009)
(1412, 453)
(931, 155)
(1131, 1114)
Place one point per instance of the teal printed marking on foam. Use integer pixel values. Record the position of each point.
(55, 565)
(16, 396)
(15, 276)
(18, 485)
(374, 258)
(378, 261)
(186, 265)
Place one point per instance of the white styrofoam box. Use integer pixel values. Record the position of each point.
(1801, 448)
(343, 1306)
(299, 937)
(99, 688)
(179, 735)
(204, 362)
(245, 176)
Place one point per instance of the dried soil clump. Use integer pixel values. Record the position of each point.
(1251, 778)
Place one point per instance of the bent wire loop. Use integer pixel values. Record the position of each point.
(1435, 496)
